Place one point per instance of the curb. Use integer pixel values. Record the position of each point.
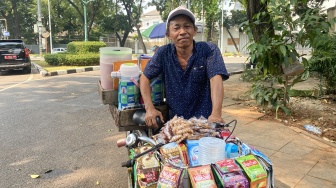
(235, 72)
(63, 72)
(312, 136)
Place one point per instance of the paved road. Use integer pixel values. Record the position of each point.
(57, 128)
(58, 125)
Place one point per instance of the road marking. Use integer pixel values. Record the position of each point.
(30, 77)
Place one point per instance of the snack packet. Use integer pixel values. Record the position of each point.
(192, 146)
(202, 176)
(171, 152)
(254, 171)
(228, 174)
(170, 177)
(227, 165)
(147, 168)
(184, 154)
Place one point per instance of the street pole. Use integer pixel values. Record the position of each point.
(85, 22)
(5, 26)
(222, 28)
(202, 22)
(39, 25)
(51, 45)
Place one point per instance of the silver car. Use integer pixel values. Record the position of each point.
(58, 50)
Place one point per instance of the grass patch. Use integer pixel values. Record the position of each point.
(50, 68)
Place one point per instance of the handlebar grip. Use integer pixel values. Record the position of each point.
(121, 142)
(158, 121)
(219, 125)
(127, 164)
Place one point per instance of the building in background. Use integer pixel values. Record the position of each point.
(332, 14)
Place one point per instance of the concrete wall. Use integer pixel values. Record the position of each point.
(332, 14)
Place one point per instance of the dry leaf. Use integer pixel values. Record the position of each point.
(48, 171)
(34, 176)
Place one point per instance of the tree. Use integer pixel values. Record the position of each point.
(134, 10)
(274, 34)
(164, 7)
(116, 24)
(93, 9)
(237, 18)
(19, 16)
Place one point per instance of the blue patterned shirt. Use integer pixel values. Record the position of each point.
(188, 91)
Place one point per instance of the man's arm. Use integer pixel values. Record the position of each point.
(151, 112)
(217, 95)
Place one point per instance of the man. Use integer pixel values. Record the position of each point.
(193, 73)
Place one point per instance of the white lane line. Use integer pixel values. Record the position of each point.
(30, 77)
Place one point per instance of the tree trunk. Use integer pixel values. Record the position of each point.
(141, 40)
(234, 42)
(96, 7)
(123, 41)
(254, 7)
(15, 23)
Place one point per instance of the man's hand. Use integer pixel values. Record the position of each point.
(150, 117)
(215, 119)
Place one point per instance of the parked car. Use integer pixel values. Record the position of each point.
(58, 50)
(14, 55)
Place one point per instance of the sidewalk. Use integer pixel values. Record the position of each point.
(300, 160)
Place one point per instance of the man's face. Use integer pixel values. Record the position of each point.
(181, 31)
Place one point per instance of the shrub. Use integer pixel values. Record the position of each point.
(81, 59)
(323, 61)
(55, 59)
(85, 47)
(66, 59)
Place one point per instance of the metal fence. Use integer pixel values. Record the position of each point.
(36, 49)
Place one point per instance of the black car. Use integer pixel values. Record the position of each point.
(14, 55)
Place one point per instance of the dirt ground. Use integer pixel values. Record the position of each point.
(319, 112)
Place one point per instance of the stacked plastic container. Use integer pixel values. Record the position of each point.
(128, 92)
(211, 150)
(108, 55)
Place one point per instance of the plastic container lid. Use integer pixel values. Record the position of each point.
(230, 147)
(231, 150)
(115, 51)
(129, 70)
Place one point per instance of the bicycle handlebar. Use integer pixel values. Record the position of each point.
(130, 162)
(155, 147)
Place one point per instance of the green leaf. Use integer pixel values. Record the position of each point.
(252, 47)
(286, 110)
(260, 48)
(283, 50)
